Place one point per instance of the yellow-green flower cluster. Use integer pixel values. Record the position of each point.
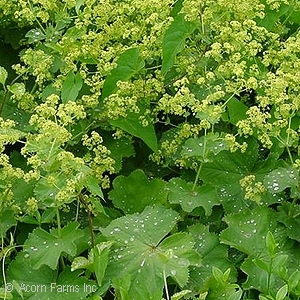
(7, 170)
(43, 147)
(170, 147)
(38, 63)
(57, 115)
(98, 158)
(67, 193)
(233, 145)
(179, 103)
(32, 205)
(275, 4)
(279, 91)
(8, 175)
(118, 106)
(253, 189)
(8, 133)
(233, 9)
(229, 53)
(69, 163)
(69, 113)
(256, 119)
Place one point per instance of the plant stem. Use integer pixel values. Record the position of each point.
(197, 177)
(3, 101)
(90, 220)
(290, 155)
(269, 275)
(58, 222)
(203, 159)
(3, 267)
(288, 141)
(166, 285)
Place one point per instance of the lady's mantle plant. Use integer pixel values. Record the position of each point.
(149, 149)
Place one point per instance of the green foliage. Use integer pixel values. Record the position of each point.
(7, 221)
(182, 193)
(128, 64)
(71, 87)
(132, 125)
(142, 251)
(45, 248)
(174, 41)
(133, 193)
(149, 149)
(248, 229)
(3, 76)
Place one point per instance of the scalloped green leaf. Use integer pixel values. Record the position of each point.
(143, 253)
(204, 146)
(213, 254)
(45, 248)
(14, 134)
(21, 271)
(247, 230)
(181, 192)
(44, 283)
(133, 193)
(227, 169)
(281, 178)
(288, 214)
(34, 35)
(148, 227)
